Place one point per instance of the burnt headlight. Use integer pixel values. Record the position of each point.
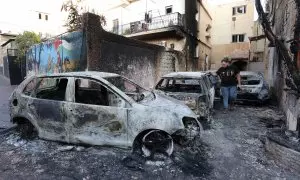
(192, 126)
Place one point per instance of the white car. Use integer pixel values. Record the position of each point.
(253, 88)
(100, 108)
(192, 88)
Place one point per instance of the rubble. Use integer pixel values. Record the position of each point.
(229, 149)
(270, 114)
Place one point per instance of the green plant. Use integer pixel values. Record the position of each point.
(75, 10)
(25, 41)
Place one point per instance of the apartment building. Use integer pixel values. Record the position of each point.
(233, 24)
(181, 25)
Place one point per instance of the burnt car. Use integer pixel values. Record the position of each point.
(100, 108)
(216, 81)
(192, 88)
(253, 88)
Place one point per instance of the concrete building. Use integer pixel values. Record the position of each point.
(42, 17)
(6, 40)
(232, 26)
(181, 25)
(258, 61)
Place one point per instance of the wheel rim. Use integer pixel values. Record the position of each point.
(157, 141)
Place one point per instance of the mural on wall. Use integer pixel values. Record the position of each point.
(64, 53)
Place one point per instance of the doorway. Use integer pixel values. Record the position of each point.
(240, 64)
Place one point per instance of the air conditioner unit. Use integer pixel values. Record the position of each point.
(233, 18)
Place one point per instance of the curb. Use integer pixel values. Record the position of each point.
(286, 156)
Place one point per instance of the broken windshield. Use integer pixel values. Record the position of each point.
(250, 80)
(180, 85)
(136, 92)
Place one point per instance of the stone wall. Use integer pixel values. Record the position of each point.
(95, 49)
(283, 18)
(142, 62)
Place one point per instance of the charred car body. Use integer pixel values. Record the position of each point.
(253, 87)
(100, 109)
(192, 88)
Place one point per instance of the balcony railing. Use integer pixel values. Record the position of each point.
(174, 19)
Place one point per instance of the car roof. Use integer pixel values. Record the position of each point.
(82, 74)
(184, 75)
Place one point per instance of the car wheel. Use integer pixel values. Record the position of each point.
(154, 141)
(26, 130)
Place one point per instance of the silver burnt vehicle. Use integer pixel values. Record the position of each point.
(101, 109)
(192, 88)
(253, 87)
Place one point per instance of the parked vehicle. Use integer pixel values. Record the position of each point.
(216, 81)
(192, 88)
(100, 108)
(253, 87)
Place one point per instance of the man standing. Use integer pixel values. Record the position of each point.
(230, 77)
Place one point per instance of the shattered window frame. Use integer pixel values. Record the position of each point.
(142, 93)
(86, 80)
(38, 83)
(174, 83)
(34, 81)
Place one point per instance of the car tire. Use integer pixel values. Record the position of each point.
(153, 141)
(26, 130)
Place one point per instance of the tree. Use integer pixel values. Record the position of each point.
(75, 10)
(25, 41)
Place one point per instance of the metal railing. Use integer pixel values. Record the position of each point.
(174, 19)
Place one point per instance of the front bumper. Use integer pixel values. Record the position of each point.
(193, 129)
(251, 97)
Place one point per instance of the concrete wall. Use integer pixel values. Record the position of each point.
(283, 18)
(233, 51)
(64, 53)
(178, 43)
(3, 50)
(142, 62)
(205, 20)
(95, 49)
(204, 36)
(224, 25)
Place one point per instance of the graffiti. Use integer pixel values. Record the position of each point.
(61, 54)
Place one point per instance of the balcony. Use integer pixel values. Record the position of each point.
(160, 22)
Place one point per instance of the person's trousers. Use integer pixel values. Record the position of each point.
(229, 94)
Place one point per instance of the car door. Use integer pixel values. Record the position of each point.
(47, 104)
(206, 93)
(211, 91)
(97, 115)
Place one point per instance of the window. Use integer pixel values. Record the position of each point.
(238, 38)
(52, 88)
(46, 17)
(116, 26)
(29, 87)
(169, 9)
(94, 93)
(131, 89)
(172, 46)
(180, 85)
(40, 16)
(239, 10)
